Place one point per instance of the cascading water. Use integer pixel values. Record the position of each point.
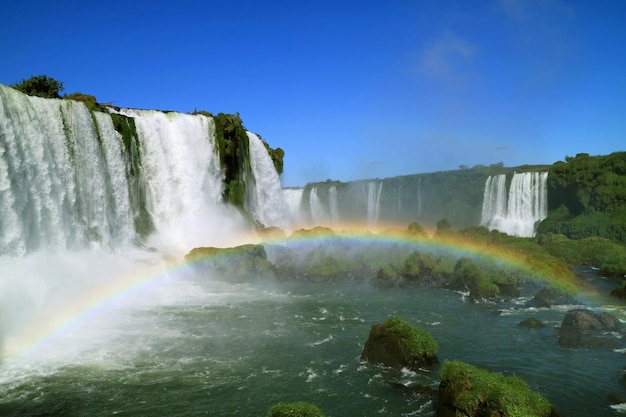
(62, 176)
(525, 207)
(374, 190)
(268, 203)
(184, 179)
(77, 197)
(333, 206)
(318, 212)
(494, 199)
(293, 197)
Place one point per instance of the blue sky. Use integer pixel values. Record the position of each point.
(350, 89)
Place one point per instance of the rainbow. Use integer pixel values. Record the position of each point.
(63, 319)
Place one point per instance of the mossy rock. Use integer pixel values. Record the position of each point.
(295, 409)
(531, 323)
(397, 344)
(466, 390)
(239, 263)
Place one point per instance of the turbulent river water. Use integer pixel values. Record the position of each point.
(190, 343)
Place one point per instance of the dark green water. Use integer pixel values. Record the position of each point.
(218, 349)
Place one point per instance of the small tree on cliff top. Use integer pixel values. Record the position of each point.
(41, 86)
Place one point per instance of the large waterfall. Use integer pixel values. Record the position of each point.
(69, 179)
(519, 211)
(89, 201)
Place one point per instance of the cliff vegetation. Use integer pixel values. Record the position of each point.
(587, 197)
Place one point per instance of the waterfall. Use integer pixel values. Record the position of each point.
(419, 197)
(374, 190)
(333, 206)
(494, 199)
(293, 197)
(62, 176)
(318, 213)
(525, 207)
(183, 177)
(69, 179)
(268, 204)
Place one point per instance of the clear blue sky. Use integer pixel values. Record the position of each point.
(350, 89)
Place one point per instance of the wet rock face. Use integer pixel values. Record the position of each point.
(582, 328)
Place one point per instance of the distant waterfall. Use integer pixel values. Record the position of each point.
(520, 212)
(318, 212)
(374, 190)
(333, 206)
(269, 205)
(419, 197)
(293, 197)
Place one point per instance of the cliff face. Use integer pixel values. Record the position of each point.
(425, 198)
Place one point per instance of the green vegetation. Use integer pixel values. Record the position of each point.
(587, 197)
(233, 147)
(295, 409)
(419, 341)
(238, 263)
(234, 150)
(87, 100)
(418, 264)
(40, 86)
(476, 391)
(501, 263)
(538, 264)
(480, 284)
(608, 255)
(416, 230)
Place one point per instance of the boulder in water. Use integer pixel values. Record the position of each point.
(531, 323)
(397, 344)
(584, 328)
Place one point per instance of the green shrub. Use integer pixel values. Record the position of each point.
(295, 409)
(41, 86)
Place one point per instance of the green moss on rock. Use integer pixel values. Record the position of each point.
(295, 409)
(466, 390)
(233, 147)
(239, 263)
(397, 344)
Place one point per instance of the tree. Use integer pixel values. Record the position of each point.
(41, 86)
